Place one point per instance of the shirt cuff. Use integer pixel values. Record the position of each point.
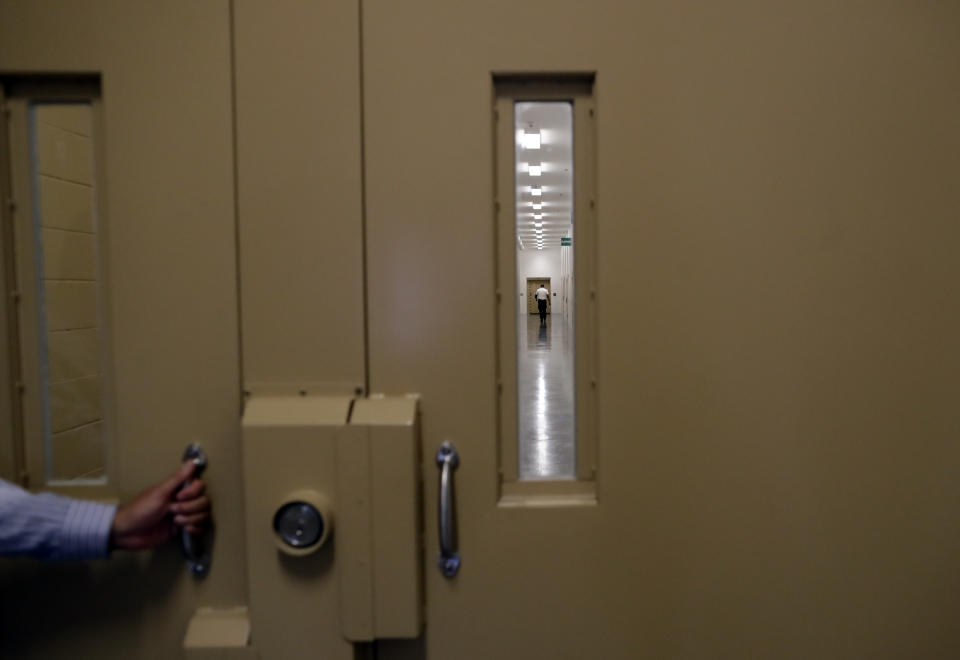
(86, 532)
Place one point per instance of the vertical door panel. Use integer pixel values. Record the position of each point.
(299, 194)
(167, 206)
(777, 328)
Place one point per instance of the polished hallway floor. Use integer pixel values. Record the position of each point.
(545, 380)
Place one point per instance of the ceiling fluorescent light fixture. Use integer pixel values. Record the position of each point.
(537, 206)
(538, 216)
(538, 224)
(536, 191)
(535, 170)
(531, 139)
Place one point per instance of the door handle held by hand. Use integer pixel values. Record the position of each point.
(194, 550)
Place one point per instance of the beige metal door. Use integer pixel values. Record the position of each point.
(163, 196)
(772, 468)
(777, 325)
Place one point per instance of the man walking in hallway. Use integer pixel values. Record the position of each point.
(543, 299)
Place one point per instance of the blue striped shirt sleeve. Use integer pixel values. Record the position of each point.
(49, 526)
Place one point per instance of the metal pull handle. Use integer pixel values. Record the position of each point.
(449, 560)
(194, 549)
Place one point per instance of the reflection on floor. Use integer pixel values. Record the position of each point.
(545, 380)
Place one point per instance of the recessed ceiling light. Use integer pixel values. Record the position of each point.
(535, 169)
(537, 216)
(536, 191)
(531, 139)
(538, 224)
(537, 206)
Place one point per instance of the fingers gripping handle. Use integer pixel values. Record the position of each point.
(194, 550)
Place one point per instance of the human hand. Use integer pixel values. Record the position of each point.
(155, 515)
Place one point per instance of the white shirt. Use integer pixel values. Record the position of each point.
(542, 294)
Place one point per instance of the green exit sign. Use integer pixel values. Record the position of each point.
(566, 241)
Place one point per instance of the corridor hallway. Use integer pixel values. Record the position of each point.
(545, 385)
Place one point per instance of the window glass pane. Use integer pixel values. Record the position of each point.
(544, 232)
(68, 291)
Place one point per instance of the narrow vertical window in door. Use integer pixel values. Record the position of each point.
(67, 291)
(544, 173)
(545, 225)
(61, 334)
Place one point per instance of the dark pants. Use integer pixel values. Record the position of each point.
(542, 306)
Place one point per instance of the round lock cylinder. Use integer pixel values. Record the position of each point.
(302, 523)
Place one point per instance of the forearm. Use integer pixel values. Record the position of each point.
(48, 526)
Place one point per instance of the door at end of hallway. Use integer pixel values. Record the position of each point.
(534, 283)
